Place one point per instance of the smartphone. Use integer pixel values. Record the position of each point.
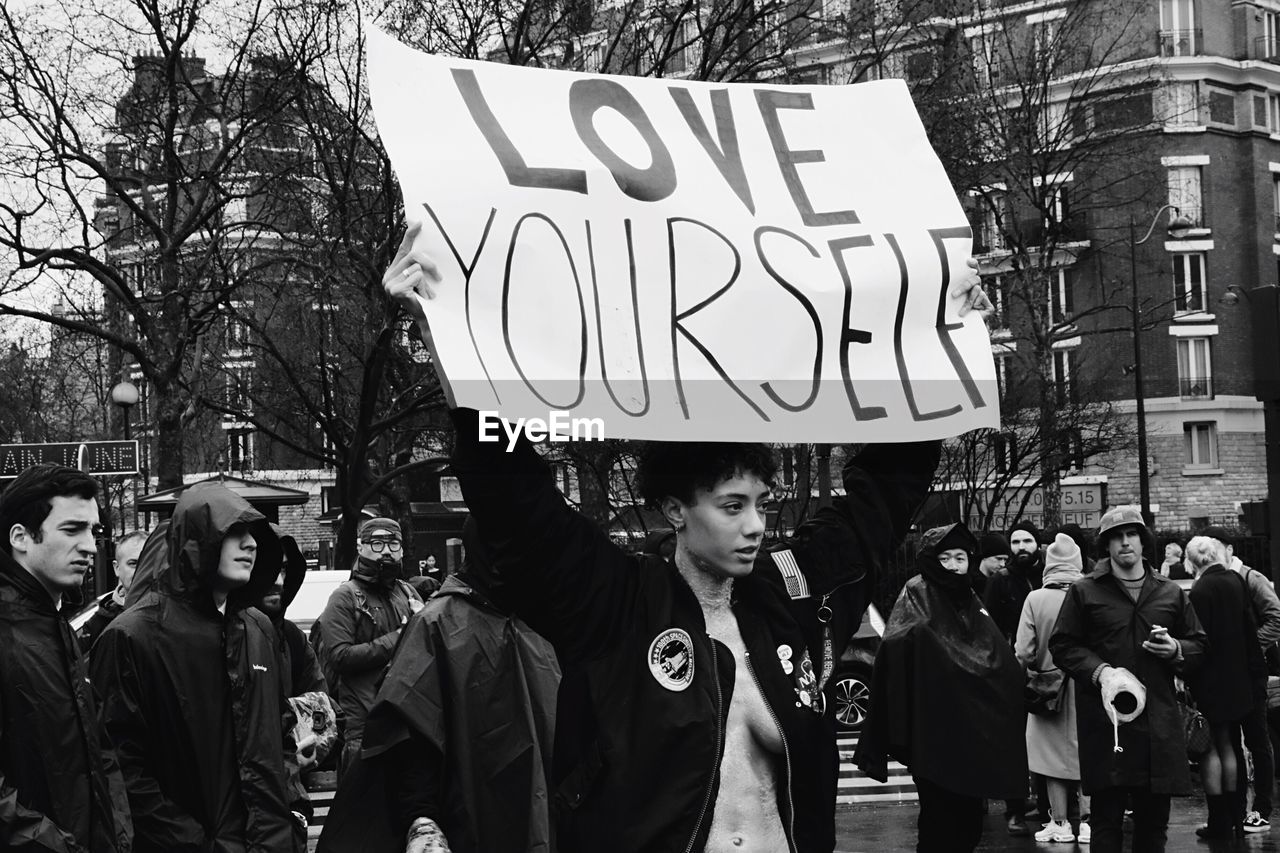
(1157, 633)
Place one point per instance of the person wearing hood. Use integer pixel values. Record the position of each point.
(192, 690)
(61, 790)
(946, 698)
(362, 623)
(1053, 750)
(1265, 607)
(128, 548)
(301, 669)
(1226, 685)
(1124, 622)
(445, 763)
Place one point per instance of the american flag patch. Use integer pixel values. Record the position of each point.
(797, 586)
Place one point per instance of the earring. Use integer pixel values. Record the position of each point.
(679, 525)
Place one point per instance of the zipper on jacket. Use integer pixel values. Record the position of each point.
(786, 754)
(715, 770)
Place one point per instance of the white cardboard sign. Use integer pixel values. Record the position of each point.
(686, 260)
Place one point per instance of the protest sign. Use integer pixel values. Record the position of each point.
(686, 260)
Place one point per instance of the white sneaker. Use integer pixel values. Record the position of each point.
(1056, 831)
(1085, 835)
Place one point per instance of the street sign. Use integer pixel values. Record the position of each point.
(99, 458)
(1081, 503)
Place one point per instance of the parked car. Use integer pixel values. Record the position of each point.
(308, 604)
(849, 688)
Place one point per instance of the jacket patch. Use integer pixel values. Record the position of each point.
(259, 667)
(808, 694)
(671, 659)
(797, 585)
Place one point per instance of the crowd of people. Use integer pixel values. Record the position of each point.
(561, 694)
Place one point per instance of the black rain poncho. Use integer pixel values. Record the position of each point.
(474, 692)
(193, 698)
(946, 696)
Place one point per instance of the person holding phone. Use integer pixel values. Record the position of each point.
(1104, 637)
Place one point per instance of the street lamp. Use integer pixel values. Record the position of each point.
(126, 396)
(1178, 227)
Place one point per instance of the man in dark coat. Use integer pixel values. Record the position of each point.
(1104, 632)
(947, 699)
(301, 673)
(127, 550)
(192, 688)
(459, 739)
(361, 624)
(1003, 599)
(60, 787)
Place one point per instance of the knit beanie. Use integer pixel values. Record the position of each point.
(1063, 552)
(994, 544)
(1023, 524)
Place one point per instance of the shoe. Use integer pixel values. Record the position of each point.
(1018, 826)
(1255, 822)
(1084, 835)
(1055, 831)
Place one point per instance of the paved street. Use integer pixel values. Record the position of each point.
(880, 828)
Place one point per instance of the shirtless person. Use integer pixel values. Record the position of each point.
(690, 714)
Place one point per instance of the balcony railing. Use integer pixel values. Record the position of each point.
(1266, 48)
(1180, 42)
(1196, 388)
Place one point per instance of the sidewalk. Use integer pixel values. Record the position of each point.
(882, 828)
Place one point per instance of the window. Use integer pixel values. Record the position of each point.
(1267, 45)
(998, 292)
(1222, 108)
(1123, 112)
(1182, 105)
(1273, 113)
(1044, 39)
(240, 449)
(684, 47)
(1061, 308)
(1185, 192)
(1002, 372)
(1178, 35)
(1005, 448)
(1064, 389)
(239, 390)
(1195, 376)
(988, 67)
(1201, 443)
(237, 333)
(1188, 281)
(992, 208)
(1275, 199)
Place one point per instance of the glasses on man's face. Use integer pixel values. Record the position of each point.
(379, 544)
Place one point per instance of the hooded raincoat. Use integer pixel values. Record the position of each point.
(193, 697)
(60, 788)
(1099, 623)
(462, 727)
(946, 690)
(301, 667)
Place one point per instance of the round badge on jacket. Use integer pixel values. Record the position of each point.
(671, 659)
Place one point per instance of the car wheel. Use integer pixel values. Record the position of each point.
(851, 700)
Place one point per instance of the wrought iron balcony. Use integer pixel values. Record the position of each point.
(1180, 42)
